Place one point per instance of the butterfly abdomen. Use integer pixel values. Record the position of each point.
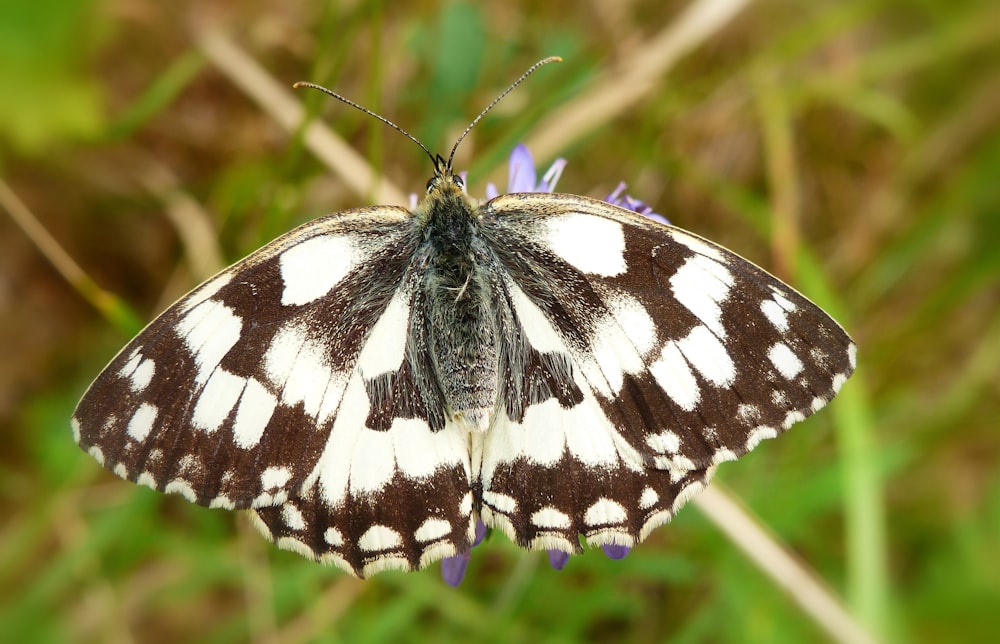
(461, 322)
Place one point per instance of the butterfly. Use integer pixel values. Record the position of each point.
(375, 383)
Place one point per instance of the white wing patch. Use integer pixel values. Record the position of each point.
(590, 244)
(702, 285)
(673, 374)
(706, 353)
(298, 368)
(210, 330)
(142, 421)
(785, 360)
(386, 344)
(254, 412)
(359, 459)
(139, 371)
(312, 268)
(537, 328)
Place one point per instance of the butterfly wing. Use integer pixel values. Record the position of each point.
(283, 384)
(683, 355)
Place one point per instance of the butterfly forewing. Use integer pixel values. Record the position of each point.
(228, 397)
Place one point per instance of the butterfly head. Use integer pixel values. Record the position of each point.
(444, 179)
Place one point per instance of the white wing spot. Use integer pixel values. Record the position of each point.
(697, 245)
(605, 512)
(142, 421)
(465, 507)
(274, 478)
(209, 330)
(501, 502)
(760, 433)
(380, 537)
(256, 407)
(292, 517)
(634, 320)
(551, 518)
(297, 367)
(146, 479)
(432, 529)
(648, 499)
(818, 403)
(217, 399)
(709, 356)
(672, 372)
(312, 268)
(182, 487)
(615, 353)
(584, 430)
(590, 244)
(784, 360)
(791, 418)
(222, 502)
(723, 455)
(852, 355)
(539, 331)
(664, 442)
(138, 371)
(333, 537)
(702, 285)
(205, 291)
(775, 314)
(96, 453)
(386, 344)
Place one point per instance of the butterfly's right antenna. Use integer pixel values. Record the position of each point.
(545, 61)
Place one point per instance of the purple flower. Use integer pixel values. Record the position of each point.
(614, 551)
(631, 203)
(522, 177)
(453, 568)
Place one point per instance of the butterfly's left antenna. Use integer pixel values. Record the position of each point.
(367, 111)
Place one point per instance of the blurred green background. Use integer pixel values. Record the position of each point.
(852, 146)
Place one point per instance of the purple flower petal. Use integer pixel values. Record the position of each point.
(491, 191)
(614, 551)
(551, 176)
(521, 175)
(631, 203)
(557, 558)
(453, 568)
(615, 196)
(480, 533)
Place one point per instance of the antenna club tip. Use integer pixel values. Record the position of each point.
(299, 85)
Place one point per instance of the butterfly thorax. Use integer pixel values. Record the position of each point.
(458, 286)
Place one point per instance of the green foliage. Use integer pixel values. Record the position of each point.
(48, 92)
(888, 110)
